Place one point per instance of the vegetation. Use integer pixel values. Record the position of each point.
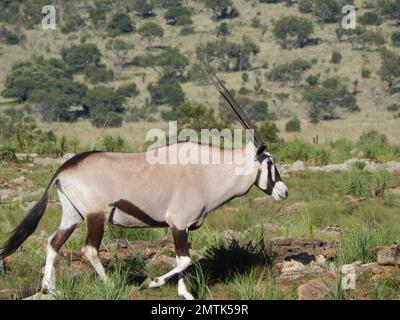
(293, 31)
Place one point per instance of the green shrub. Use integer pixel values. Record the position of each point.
(305, 6)
(98, 74)
(357, 184)
(395, 36)
(178, 15)
(144, 8)
(292, 71)
(293, 31)
(294, 150)
(390, 69)
(128, 90)
(166, 93)
(327, 11)
(223, 30)
(117, 144)
(343, 148)
(268, 132)
(121, 23)
(393, 107)
(365, 73)
(150, 31)
(110, 120)
(336, 57)
(72, 23)
(187, 30)
(7, 153)
(312, 80)
(258, 110)
(293, 125)
(376, 146)
(78, 57)
(370, 18)
(222, 9)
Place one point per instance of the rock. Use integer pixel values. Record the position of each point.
(292, 271)
(334, 167)
(8, 294)
(349, 199)
(264, 200)
(268, 227)
(393, 166)
(229, 210)
(376, 271)
(122, 244)
(320, 260)
(29, 195)
(349, 275)
(295, 207)
(26, 156)
(19, 183)
(333, 231)
(46, 161)
(5, 194)
(297, 166)
(374, 167)
(314, 168)
(312, 290)
(28, 206)
(388, 256)
(41, 296)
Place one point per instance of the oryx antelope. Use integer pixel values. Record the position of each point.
(125, 190)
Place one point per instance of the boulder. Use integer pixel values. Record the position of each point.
(5, 194)
(376, 271)
(297, 166)
(229, 210)
(388, 256)
(393, 166)
(314, 289)
(395, 191)
(334, 167)
(19, 183)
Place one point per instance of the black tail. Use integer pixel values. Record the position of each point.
(27, 226)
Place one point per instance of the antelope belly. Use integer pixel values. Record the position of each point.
(123, 219)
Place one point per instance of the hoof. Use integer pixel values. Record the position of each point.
(145, 284)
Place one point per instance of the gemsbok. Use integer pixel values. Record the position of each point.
(126, 190)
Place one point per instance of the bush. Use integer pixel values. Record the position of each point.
(178, 15)
(143, 8)
(166, 93)
(376, 146)
(258, 110)
(327, 11)
(293, 31)
(98, 74)
(365, 73)
(323, 100)
(395, 36)
(292, 71)
(150, 31)
(101, 101)
(7, 153)
(268, 132)
(312, 80)
(294, 150)
(293, 125)
(78, 57)
(229, 56)
(222, 9)
(128, 90)
(223, 30)
(336, 57)
(9, 37)
(121, 23)
(393, 107)
(390, 69)
(305, 6)
(370, 18)
(97, 14)
(110, 120)
(117, 144)
(187, 30)
(72, 23)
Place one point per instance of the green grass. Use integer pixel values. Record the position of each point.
(229, 268)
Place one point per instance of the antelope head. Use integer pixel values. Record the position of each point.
(268, 178)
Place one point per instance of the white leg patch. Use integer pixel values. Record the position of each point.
(93, 256)
(182, 290)
(49, 278)
(182, 264)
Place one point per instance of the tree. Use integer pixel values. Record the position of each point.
(48, 85)
(121, 23)
(222, 9)
(150, 31)
(229, 56)
(390, 70)
(370, 18)
(73, 22)
(268, 132)
(292, 71)
(128, 90)
(196, 117)
(293, 31)
(293, 125)
(98, 74)
(101, 101)
(327, 10)
(178, 15)
(223, 30)
(323, 100)
(97, 14)
(143, 8)
(169, 93)
(78, 57)
(173, 63)
(305, 6)
(336, 57)
(258, 110)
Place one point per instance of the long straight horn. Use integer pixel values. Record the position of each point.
(237, 110)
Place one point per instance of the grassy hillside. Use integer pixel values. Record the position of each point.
(256, 21)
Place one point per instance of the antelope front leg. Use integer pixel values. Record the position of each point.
(183, 262)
